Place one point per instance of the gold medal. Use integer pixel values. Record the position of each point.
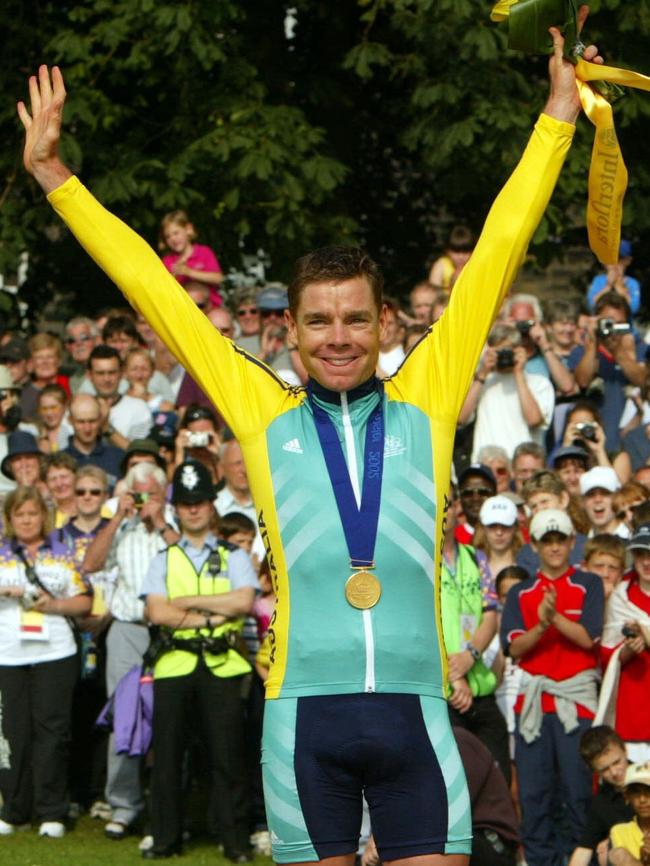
(362, 590)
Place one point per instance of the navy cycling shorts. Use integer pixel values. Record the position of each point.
(321, 754)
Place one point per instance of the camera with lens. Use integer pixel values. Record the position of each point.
(524, 326)
(505, 358)
(607, 327)
(29, 596)
(587, 431)
(198, 439)
(139, 499)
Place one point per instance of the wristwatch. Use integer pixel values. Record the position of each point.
(471, 649)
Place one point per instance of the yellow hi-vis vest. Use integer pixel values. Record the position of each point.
(183, 579)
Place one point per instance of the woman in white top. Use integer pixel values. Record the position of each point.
(40, 588)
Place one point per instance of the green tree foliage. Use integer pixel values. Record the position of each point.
(382, 121)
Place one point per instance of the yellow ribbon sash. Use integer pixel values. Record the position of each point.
(607, 172)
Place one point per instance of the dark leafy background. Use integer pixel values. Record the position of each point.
(381, 122)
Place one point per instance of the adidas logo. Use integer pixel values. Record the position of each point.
(393, 446)
(293, 446)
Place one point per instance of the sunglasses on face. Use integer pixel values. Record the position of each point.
(84, 338)
(5, 394)
(266, 313)
(91, 491)
(627, 511)
(247, 311)
(476, 491)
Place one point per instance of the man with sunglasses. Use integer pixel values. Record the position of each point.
(272, 302)
(475, 484)
(247, 314)
(87, 775)
(347, 474)
(81, 337)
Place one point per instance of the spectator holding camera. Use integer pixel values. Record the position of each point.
(584, 429)
(199, 439)
(525, 313)
(614, 353)
(503, 391)
(140, 528)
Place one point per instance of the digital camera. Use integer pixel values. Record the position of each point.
(607, 327)
(587, 431)
(198, 439)
(524, 326)
(505, 359)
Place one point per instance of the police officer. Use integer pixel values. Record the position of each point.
(198, 591)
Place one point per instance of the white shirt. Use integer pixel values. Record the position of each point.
(391, 360)
(131, 417)
(132, 550)
(499, 419)
(52, 639)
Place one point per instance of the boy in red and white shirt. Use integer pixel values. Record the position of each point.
(551, 625)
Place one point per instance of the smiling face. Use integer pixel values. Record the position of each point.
(570, 469)
(80, 342)
(563, 333)
(138, 369)
(60, 482)
(178, 237)
(45, 364)
(337, 329)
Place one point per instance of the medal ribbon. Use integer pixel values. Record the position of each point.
(359, 522)
(529, 21)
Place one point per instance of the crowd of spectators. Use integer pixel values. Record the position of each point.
(545, 573)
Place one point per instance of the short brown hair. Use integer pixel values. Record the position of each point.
(544, 481)
(594, 742)
(615, 301)
(42, 341)
(16, 499)
(60, 460)
(334, 265)
(605, 543)
(94, 472)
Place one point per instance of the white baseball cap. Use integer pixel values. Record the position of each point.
(600, 476)
(498, 509)
(550, 520)
(638, 774)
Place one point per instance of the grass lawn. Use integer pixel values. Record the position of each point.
(86, 845)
